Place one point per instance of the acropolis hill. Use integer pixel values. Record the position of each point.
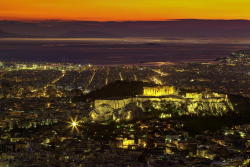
(164, 99)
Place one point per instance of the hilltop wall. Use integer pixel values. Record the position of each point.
(200, 104)
(189, 97)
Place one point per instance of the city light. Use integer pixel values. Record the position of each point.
(74, 124)
(148, 118)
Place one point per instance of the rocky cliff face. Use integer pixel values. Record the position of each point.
(137, 108)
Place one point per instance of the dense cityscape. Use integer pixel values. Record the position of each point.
(125, 83)
(155, 114)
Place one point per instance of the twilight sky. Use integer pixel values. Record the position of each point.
(104, 10)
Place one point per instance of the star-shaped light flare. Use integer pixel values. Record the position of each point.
(74, 124)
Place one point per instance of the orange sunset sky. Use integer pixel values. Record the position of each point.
(104, 10)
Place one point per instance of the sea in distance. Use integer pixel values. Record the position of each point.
(115, 51)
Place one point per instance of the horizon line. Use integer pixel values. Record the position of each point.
(86, 20)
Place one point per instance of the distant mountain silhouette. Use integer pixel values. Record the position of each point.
(164, 29)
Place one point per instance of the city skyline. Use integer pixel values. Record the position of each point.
(124, 83)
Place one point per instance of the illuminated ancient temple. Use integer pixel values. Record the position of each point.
(158, 91)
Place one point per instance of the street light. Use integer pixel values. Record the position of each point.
(74, 124)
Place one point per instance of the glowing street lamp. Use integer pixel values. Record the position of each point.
(74, 124)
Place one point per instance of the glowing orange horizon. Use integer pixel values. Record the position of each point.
(122, 10)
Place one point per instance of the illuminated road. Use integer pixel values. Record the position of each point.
(59, 78)
(107, 77)
(160, 72)
(135, 77)
(91, 79)
(80, 70)
(121, 77)
(156, 80)
(53, 82)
